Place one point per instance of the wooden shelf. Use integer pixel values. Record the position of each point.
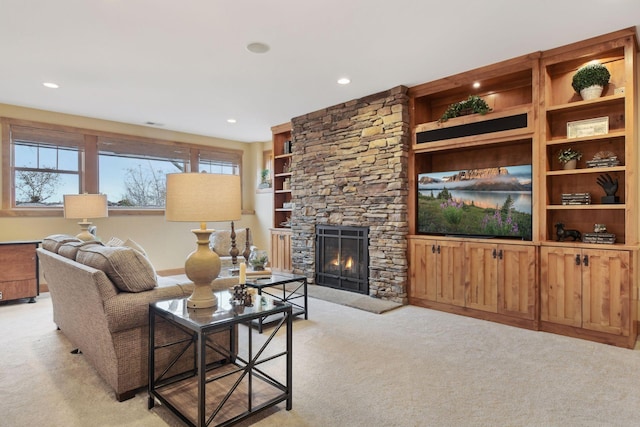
(280, 257)
(610, 135)
(580, 171)
(586, 207)
(539, 85)
(581, 105)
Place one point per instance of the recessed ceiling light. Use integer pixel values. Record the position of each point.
(258, 47)
(476, 85)
(50, 85)
(344, 81)
(231, 120)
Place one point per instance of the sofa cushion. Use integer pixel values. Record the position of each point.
(127, 268)
(70, 249)
(53, 242)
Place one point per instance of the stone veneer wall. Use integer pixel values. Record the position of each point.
(350, 168)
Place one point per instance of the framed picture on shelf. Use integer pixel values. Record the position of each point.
(588, 127)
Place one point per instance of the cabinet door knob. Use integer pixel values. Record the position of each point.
(577, 259)
(585, 260)
(494, 254)
(438, 248)
(433, 249)
(500, 254)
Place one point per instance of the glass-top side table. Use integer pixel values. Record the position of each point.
(254, 376)
(282, 287)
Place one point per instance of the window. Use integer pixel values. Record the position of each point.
(49, 161)
(133, 174)
(219, 162)
(46, 165)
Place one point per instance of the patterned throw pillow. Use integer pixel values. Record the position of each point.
(133, 245)
(52, 243)
(114, 241)
(127, 268)
(70, 249)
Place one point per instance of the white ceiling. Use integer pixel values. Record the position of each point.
(184, 63)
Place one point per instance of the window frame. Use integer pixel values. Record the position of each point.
(87, 142)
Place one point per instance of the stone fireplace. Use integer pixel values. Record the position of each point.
(350, 169)
(342, 257)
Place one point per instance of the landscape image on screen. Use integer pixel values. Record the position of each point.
(488, 202)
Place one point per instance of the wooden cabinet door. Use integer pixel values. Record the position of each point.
(481, 276)
(281, 251)
(450, 272)
(423, 271)
(517, 281)
(18, 271)
(606, 291)
(561, 285)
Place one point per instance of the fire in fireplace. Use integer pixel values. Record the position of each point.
(342, 257)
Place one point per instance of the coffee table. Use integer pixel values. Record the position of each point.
(251, 379)
(283, 287)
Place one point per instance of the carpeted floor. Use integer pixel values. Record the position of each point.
(407, 367)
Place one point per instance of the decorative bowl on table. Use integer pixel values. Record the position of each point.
(258, 259)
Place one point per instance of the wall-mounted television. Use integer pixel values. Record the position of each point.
(485, 203)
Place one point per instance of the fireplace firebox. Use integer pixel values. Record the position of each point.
(342, 257)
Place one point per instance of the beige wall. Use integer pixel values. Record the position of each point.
(167, 243)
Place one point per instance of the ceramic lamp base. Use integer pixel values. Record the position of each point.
(202, 267)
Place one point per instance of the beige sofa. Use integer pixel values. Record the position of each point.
(101, 299)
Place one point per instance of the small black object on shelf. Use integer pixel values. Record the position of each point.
(610, 187)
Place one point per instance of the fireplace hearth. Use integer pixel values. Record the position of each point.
(342, 258)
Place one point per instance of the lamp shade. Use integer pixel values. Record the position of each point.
(203, 197)
(85, 206)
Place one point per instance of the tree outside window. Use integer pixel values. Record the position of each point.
(43, 173)
(50, 161)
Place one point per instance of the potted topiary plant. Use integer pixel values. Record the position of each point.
(569, 157)
(590, 80)
(471, 105)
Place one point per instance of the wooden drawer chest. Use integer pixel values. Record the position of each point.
(19, 277)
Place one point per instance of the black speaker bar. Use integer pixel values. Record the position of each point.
(478, 128)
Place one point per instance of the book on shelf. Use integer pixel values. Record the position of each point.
(576, 198)
(607, 238)
(603, 163)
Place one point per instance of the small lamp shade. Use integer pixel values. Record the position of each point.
(85, 206)
(203, 197)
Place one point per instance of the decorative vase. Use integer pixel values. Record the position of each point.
(571, 164)
(591, 92)
(257, 259)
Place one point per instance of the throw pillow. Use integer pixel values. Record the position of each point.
(70, 249)
(114, 241)
(127, 268)
(133, 245)
(53, 242)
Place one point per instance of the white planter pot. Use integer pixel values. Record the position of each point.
(591, 92)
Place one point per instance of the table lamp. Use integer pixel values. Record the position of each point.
(83, 206)
(202, 197)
